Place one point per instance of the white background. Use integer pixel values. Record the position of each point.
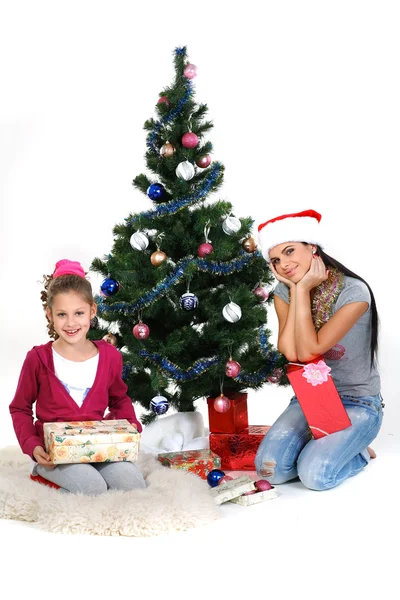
(305, 100)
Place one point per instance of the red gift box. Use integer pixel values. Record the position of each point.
(233, 420)
(318, 397)
(238, 450)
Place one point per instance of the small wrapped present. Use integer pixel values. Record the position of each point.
(199, 462)
(318, 397)
(238, 450)
(91, 441)
(249, 499)
(233, 420)
(231, 489)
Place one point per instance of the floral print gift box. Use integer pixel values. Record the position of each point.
(91, 441)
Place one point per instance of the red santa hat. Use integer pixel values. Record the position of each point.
(295, 227)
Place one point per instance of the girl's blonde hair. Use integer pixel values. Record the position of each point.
(62, 285)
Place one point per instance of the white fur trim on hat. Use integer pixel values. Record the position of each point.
(296, 227)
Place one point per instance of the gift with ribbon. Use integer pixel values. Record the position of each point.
(318, 397)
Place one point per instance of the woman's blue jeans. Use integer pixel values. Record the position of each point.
(288, 449)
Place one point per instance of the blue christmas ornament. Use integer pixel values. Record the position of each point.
(109, 287)
(159, 405)
(214, 476)
(188, 301)
(155, 191)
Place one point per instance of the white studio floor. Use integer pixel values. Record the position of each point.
(341, 542)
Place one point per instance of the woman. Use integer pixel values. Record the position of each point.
(324, 310)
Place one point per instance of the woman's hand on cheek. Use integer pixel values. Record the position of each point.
(287, 282)
(316, 274)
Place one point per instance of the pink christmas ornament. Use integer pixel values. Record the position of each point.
(222, 404)
(261, 293)
(190, 140)
(232, 368)
(204, 249)
(224, 479)
(262, 485)
(249, 493)
(190, 71)
(141, 331)
(163, 100)
(275, 376)
(203, 161)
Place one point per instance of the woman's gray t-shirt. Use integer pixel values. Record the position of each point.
(350, 359)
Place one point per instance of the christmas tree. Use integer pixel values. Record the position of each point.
(188, 314)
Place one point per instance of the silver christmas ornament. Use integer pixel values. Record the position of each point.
(232, 312)
(231, 225)
(139, 240)
(185, 170)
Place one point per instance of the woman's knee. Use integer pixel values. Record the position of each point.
(315, 472)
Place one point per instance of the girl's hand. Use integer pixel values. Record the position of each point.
(287, 282)
(316, 274)
(42, 458)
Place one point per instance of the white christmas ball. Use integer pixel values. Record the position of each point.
(232, 312)
(231, 225)
(139, 240)
(185, 170)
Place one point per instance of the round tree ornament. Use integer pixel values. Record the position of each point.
(190, 140)
(156, 191)
(185, 170)
(109, 287)
(190, 71)
(232, 312)
(188, 301)
(167, 150)
(141, 331)
(159, 405)
(222, 404)
(139, 241)
(231, 225)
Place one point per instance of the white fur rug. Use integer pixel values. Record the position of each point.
(173, 501)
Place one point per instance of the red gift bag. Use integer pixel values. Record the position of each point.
(318, 397)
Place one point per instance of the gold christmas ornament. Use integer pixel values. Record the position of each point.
(249, 245)
(167, 150)
(157, 258)
(110, 339)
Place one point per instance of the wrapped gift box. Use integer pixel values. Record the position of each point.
(256, 498)
(238, 450)
(231, 489)
(232, 421)
(91, 441)
(199, 462)
(318, 397)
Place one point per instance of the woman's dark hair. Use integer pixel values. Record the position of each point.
(332, 262)
(62, 285)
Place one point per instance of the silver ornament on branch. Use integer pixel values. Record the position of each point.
(231, 225)
(232, 312)
(139, 240)
(185, 170)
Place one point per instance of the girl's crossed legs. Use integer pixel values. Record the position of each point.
(95, 478)
(289, 451)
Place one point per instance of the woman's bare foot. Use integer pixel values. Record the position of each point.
(371, 452)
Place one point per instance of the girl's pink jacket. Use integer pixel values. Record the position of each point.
(38, 383)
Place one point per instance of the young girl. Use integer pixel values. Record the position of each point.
(72, 379)
(323, 309)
